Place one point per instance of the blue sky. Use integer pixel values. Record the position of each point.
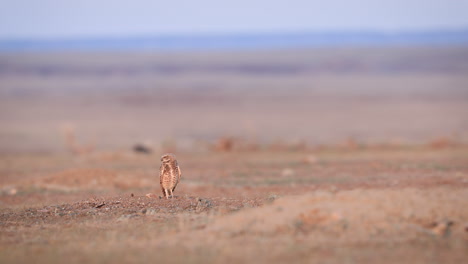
(89, 18)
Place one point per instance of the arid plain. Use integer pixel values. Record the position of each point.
(336, 155)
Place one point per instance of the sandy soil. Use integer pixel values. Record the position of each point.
(339, 155)
(365, 205)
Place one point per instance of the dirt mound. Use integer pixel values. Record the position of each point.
(355, 215)
(94, 179)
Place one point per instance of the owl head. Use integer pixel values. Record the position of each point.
(168, 157)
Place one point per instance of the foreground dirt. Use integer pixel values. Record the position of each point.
(405, 205)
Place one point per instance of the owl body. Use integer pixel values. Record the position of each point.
(169, 174)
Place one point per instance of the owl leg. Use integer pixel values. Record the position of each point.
(166, 193)
(170, 193)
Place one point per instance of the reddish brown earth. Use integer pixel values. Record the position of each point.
(360, 157)
(363, 205)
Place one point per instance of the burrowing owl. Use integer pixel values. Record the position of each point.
(169, 174)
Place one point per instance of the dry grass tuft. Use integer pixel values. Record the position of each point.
(71, 143)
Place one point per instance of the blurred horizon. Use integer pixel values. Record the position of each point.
(113, 100)
(246, 40)
(262, 71)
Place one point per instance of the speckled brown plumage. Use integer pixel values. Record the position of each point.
(169, 174)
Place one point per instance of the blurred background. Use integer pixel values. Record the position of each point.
(84, 76)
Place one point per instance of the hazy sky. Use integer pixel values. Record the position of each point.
(77, 18)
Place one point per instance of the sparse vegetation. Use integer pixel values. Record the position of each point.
(366, 163)
(357, 201)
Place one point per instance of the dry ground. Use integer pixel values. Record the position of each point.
(365, 205)
(307, 180)
(114, 100)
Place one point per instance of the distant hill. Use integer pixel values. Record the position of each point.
(241, 41)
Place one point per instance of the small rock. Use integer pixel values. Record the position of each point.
(126, 217)
(99, 205)
(151, 195)
(310, 159)
(152, 211)
(13, 191)
(287, 172)
(272, 197)
(142, 148)
(9, 190)
(203, 204)
(247, 205)
(442, 228)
